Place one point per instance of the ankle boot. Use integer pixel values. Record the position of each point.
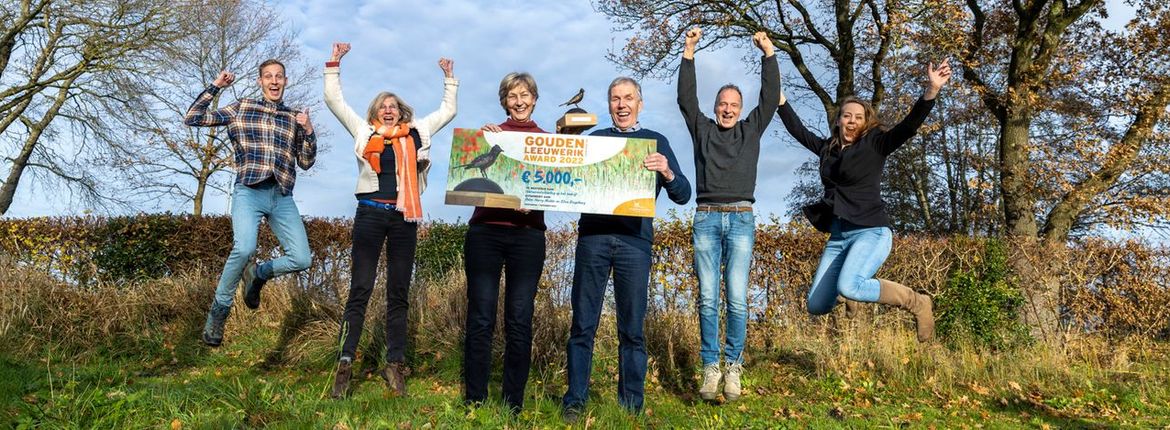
(395, 376)
(213, 328)
(852, 308)
(921, 305)
(341, 379)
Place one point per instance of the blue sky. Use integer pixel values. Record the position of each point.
(396, 47)
(563, 44)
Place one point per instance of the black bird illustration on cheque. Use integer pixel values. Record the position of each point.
(485, 160)
(481, 190)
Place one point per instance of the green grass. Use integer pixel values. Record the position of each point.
(235, 387)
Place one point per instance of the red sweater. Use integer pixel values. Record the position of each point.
(511, 217)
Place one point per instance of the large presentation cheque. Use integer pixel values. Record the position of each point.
(553, 172)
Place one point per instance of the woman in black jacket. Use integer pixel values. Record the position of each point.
(852, 210)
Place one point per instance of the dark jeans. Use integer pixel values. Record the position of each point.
(519, 253)
(371, 228)
(597, 256)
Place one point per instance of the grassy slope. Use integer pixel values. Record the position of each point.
(234, 387)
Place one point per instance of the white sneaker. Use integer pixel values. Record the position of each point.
(731, 385)
(711, 376)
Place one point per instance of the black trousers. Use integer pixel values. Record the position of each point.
(518, 252)
(373, 228)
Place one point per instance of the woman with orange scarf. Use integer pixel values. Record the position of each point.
(392, 150)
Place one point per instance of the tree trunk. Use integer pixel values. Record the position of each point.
(16, 170)
(8, 190)
(1015, 184)
(200, 187)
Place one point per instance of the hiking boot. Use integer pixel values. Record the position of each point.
(921, 305)
(252, 285)
(395, 376)
(731, 385)
(341, 379)
(711, 376)
(213, 328)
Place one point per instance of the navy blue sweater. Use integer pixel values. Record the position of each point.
(638, 231)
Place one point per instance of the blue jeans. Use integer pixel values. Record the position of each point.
(723, 244)
(852, 256)
(249, 204)
(597, 256)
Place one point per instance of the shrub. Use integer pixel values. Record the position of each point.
(980, 305)
(135, 248)
(440, 249)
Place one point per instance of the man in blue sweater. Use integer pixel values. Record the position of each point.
(620, 244)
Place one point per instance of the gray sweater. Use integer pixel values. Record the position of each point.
(726, 159)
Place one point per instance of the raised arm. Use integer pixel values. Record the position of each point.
(796, 128)
(334, 98)
(900, 133)
(688, 102)
(769, 82)
(438, 119)
(198, 115)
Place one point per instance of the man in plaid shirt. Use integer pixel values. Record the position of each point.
(269, 140)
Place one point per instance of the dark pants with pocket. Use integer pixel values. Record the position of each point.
(518, 253)
(373, 228)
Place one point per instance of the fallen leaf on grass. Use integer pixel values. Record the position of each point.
(908, 418)
(979, 389)
(176, 424)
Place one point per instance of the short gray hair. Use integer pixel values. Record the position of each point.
(729, 87)
(624, 80)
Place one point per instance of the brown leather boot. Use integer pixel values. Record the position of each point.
(852, 308)
(921, 305)
(395, 376)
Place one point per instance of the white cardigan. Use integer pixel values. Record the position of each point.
(361, 129)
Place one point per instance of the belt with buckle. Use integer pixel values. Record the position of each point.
(708, 208)
(379, 205)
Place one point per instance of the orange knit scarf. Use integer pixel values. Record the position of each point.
(405, 167)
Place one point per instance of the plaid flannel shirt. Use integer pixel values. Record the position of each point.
(265, 137)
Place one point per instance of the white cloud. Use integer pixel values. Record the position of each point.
(396, 45)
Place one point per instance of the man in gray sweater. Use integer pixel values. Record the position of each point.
(727, 150)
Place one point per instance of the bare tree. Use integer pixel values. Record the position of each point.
(57, 60)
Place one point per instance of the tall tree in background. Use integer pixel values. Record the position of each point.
(852, 40)
(1077, 108)
(1057, 128)
(59, 63)
(183, 163)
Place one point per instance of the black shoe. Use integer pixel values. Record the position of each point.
(570, 414)
(213, 328)
(341, 379)
(252, 286)
(472, 404)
